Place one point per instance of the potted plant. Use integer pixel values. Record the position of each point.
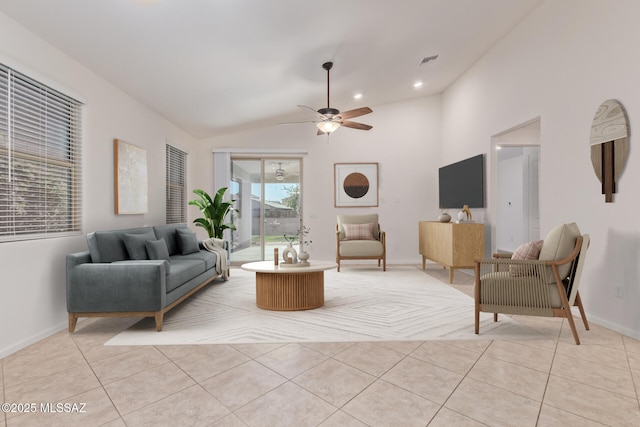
(214, 211)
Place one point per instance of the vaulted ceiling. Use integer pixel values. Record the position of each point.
(219, 66)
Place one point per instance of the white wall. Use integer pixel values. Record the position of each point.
(560, 64)
(32, 284)
(404, 141)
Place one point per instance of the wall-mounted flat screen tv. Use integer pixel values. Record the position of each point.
(462, 183)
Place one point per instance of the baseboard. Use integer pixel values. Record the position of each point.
(33, 339)
(613, 326)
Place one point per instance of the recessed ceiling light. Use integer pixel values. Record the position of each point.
(417, 85)
(357, 96)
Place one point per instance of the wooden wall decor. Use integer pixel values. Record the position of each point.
(609, 145)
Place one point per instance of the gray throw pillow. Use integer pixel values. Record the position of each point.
(135, 244)
(187, 241)
(157, 249)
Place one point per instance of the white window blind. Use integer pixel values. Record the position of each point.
(176, 188)
(40, 160)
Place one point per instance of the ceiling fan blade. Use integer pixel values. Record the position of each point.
(295, 123)
(322, 116)
(355, 125)
(320, 132)
(355, 113)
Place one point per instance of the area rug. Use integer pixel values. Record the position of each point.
(361, 304)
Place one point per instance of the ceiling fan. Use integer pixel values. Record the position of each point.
(331, 119)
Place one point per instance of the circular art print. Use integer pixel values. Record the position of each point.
(356, 185)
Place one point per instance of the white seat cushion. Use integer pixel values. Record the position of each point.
(361, 248)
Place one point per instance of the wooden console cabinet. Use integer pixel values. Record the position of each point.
(450, 244)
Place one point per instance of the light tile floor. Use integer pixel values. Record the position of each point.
(547, 382)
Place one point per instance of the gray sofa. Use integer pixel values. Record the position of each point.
(142, 271)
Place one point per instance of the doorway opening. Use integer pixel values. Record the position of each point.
(516, 201)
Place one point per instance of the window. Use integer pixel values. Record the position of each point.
(176, 185)
(40, 159)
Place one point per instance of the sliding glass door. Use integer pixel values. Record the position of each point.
(268, 197)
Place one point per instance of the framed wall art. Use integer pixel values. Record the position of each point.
(356, 184)
(130, 164)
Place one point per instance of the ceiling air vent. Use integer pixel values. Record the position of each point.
(428, 59)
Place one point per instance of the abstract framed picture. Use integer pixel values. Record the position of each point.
(130, 164)
(356, 184)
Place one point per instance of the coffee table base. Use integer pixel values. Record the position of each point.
(290, 291)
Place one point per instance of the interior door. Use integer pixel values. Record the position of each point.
(268, 198)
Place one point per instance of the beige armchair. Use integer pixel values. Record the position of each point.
(360, 237)
(547, 286)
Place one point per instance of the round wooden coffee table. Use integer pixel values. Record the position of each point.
(289, 288)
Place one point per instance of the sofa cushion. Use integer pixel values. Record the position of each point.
(135, 244)
(358, 231)
(526, 251)
(183, 270)
(108, 246)
(209, 258)
(168, 233)
(187, 241)
(558, 245)
(157, 249)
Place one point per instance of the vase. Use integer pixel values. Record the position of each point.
(444, 217)
(303, 257)
(289, 255)
(462, 216)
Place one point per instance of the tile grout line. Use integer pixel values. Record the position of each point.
(458, 385)
(546, 385)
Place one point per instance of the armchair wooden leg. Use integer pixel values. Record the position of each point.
(578, 302)
(73, 320)
(572, 325)
(477, 312)
(384, 264)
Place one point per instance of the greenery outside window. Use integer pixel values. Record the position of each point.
(40, 160)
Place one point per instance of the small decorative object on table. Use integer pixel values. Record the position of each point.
(301, 259)
(444, 217)
(289, 255)
(464, 214)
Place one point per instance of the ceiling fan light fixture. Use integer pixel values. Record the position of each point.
(280, 173)
(327, 126)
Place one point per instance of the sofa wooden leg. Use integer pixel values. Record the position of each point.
(495, 317)
(159, 318)
(73, 320)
